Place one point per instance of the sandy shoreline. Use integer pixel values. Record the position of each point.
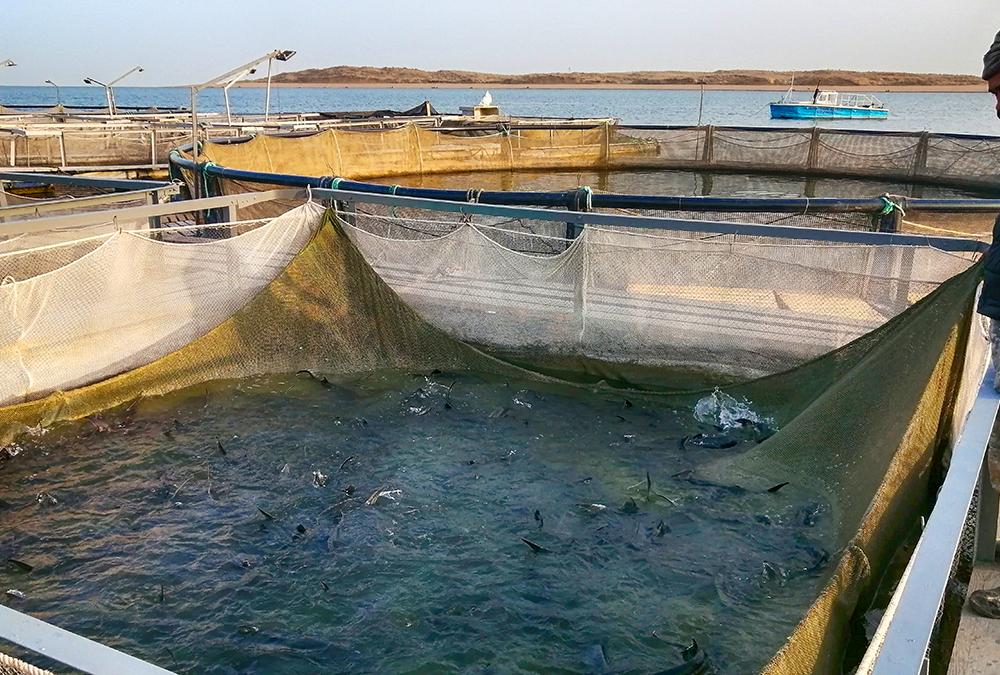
(611, 87)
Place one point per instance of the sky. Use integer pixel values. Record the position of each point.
(185, 42)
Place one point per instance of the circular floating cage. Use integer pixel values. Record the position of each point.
(697, 375)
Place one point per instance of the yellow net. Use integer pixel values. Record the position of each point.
(415, 150)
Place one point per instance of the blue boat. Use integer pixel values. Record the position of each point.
(830, 105)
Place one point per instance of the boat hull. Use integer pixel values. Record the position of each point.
(804, 111)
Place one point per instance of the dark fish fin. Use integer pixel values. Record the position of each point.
(21, 566)
(222, 448)
(266, 514)
(777, 487)
(535, 547)
(307, 372)
(344, 463)
(326, 586)
(628, 403)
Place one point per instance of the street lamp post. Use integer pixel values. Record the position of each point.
(225, 90)
(232, 75)
(109, 87)
(58, 95)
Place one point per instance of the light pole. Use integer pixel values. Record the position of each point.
(109, 87)
(234, 74)
(283, 56)
(225, 90)
(58, 95)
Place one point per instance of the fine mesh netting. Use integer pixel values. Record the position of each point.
(414, 150)
(728, 305)
(69, 321)
(97, 145)
(861, 355)
(960, 160)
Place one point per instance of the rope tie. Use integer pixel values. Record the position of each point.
(472, 196)
(889, 205)
(589, 197)
(392, 191)
(204, 176)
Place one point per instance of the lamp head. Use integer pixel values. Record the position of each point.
(8, 62)
(285, 55)
(50, 82)
(87, 80)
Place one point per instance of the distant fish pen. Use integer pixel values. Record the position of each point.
(291, 263)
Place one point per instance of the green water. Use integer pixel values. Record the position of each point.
(146, 535)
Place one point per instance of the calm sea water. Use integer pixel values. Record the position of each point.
(966, 113)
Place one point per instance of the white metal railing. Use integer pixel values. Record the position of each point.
(69, 648)
(901, 642)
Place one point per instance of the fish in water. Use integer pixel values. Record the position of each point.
(535, 547)
(810, 514)
(319, 479)
(596, 658)
(696, 662)
(538, 519)
(592, 509)
(19, 566)
(266, 514)
(711, 441)
(630, 506)
(777, 487)
(322, 380)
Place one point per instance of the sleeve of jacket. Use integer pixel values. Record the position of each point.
(989, 299)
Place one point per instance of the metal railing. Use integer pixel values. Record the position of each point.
(69, 648)
(900, 646)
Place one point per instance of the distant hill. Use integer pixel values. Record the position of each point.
(362, 75)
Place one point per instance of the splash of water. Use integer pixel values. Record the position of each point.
(722, 410)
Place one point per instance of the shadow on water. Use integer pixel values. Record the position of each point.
(407, 523)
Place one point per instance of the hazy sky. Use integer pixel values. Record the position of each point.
(188, 42)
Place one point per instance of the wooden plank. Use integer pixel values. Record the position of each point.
(977, 645)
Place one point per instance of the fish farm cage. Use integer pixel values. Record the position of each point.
(828, 347)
